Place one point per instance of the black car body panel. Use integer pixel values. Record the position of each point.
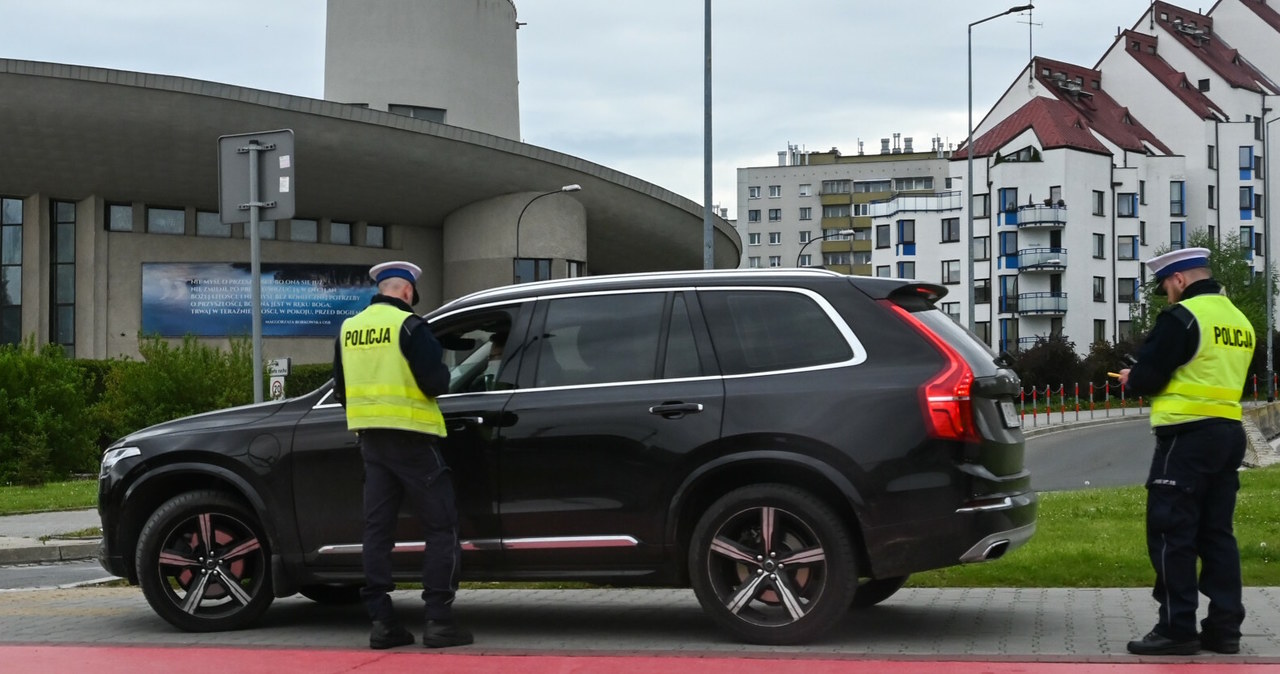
(623, 408)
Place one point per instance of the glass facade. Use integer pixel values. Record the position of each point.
(10, 271)
(62, 294)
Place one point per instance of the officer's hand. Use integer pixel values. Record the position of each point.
(1124, 377)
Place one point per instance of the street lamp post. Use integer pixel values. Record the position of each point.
(515, 262)
(969, 151)
(843, 232)
(1266, 236)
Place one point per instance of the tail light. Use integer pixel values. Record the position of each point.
(948, 408)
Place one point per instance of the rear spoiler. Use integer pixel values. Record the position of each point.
(909, 295)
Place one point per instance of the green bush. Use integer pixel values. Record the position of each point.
(307, 378)
(174, 381)
(43, 412)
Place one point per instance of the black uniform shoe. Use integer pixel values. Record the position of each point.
(445, 633)
(1217, 644)
(1158, 644)
(388, 634)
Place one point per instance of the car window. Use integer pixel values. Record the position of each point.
(682, 351)
(600, 338)
(474, 352)
(761, 330)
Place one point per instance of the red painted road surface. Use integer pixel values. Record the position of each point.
(143, 660)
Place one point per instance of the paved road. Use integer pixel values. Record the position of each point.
(1114, 454)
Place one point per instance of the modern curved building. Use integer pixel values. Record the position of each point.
(109, 194)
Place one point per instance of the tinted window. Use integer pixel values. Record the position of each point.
(682, 352)
(758, 331)
(474, 351)
(598, 339)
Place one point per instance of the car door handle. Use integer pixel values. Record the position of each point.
(675, 410)
(458, 423)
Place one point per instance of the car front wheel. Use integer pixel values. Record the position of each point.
(773, 564)
(203, 563)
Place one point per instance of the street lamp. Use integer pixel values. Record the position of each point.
(515, 265)
(1266, 236)
(843, 232)
(969, 151)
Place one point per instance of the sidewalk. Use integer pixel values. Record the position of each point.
(20, 537)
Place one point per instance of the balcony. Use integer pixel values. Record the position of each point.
(1036, 216)
(1041, 303)
(1042, 259)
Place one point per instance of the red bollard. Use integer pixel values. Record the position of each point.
(1077, 389)
(1034, 392)
(1022, 404)
(1062, 402)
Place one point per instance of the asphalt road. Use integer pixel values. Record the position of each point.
(43, 576)
(1108, 455)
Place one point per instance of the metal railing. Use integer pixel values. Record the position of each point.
(1039, 407)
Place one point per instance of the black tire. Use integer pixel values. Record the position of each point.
(872, 591)
(204, 563)
(783, 588)
(337, 595)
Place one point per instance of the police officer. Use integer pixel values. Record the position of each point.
(387, 372)
(1194, 362)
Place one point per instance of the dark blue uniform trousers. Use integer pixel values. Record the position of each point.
(1191, 501)
(406, 467)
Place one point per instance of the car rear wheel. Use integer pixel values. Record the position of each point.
(872, 591)
(203, 563)
(772, 564)
(331, 594)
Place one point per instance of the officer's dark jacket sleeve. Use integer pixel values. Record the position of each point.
(339, 383)
(424, 355)
(1171, 343)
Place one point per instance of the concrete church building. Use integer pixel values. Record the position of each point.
(109, 195)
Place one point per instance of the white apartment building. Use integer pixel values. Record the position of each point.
(1080, 173)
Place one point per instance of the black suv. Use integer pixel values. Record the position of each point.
(789, 443)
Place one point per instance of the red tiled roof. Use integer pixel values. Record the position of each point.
(1087, 96)
(1055, 123)
(1196, 32)
(1142, 48)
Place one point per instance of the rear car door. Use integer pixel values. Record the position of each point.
(616, 388)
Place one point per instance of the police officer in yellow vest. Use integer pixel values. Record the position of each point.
(388, 371)
(1194, 363)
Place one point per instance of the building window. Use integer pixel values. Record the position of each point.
(437, 115)
(62, 292)
(917, 183)
(950, 272)
(873, 186)
(209, 223)
(753, 239)
(805, 236)
(340, 233)
(775, 214)
(1100, 246)
(952, 309)
(375, 236)
(806, 190)
(775, 260)
(753, 262)
(1142, 192)
(1127, 248)
(1008, 334)
(753, 192)
(907, 232)
(532, 269)
(1177, 235)
(1177, 198)
(1008, 243)
(840, 258)
(1055, 194)
(983, 330)
(805, 260)
(982, 291)
(1213, 157)
(836, 211)
(882, 236)
(906, 270)
(835, 186)
(1127, 205)
(981, 205)
(1246, 241)
(806, 213)
(1213, 196)
(753, 215)
(981, 248)
(1246, 199)
(775, 191)
(10, 271)
(1246, 162)
(1099, 289)
(166, 221)
(1126, 290)
(306, 231)
(775, 238)
(950, 230)
(883, 271)
(1008, 199)
(119, 218)
(1099, 203)
(575, 268)
(1202, 85)
(1099, 330)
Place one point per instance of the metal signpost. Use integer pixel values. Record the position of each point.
(248, 191)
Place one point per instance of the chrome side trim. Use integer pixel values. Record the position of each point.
(1002, 504)
(554, 543)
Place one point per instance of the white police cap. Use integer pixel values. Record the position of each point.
(1164, 266)
(395, 269)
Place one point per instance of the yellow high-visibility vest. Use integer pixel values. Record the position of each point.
(1211, 383)
(381, 390)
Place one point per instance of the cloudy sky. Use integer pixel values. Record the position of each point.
(621, 83)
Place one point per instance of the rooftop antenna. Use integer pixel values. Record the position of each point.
(1030, 50)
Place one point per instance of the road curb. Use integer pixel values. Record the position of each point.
(1083, 423)
(34, 551)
